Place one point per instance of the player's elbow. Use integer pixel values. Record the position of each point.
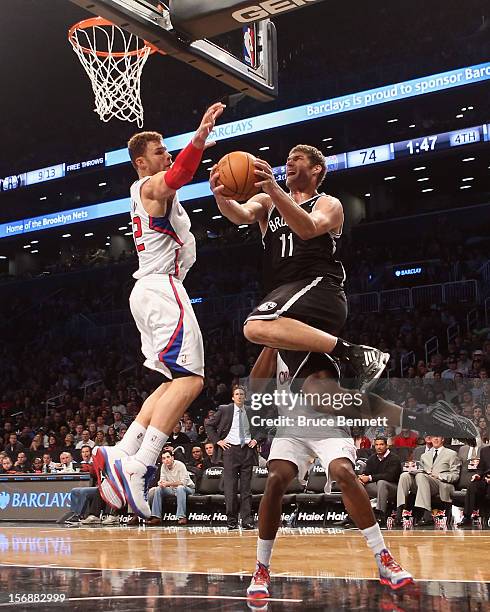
(307, 233)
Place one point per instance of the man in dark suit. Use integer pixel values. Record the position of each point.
(13, 447)
(478, 488)
(229, 429)
(380, 476)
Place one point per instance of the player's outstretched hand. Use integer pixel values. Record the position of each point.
(207, 126)
(265, 176)
(216, 187)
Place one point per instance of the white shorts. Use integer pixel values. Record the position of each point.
(302, 451)
(171, 340)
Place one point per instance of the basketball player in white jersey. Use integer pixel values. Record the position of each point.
(292, 451)
(170, 335)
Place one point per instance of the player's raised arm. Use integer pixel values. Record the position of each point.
(253, 211)
(326, 216)
(164, 184)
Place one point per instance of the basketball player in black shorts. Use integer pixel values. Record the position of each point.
(302, 315)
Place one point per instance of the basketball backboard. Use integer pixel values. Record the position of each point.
(153, 23)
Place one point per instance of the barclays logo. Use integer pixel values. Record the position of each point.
(4, 500)
(34, 500)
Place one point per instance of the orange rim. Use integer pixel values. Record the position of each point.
(85, 24)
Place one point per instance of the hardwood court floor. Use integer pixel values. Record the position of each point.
(196, 568)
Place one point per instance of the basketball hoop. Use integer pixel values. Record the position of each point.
(113, 60)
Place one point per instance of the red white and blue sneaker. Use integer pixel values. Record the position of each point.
(391, 573)
(110, 487)
(135, 478)
(260, 584)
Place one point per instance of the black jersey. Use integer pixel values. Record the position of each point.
(287, 258)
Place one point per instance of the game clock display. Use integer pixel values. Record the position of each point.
(438, 142)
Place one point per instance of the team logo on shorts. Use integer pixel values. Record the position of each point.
(266, 306)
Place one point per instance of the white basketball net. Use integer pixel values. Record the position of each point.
(114, 60)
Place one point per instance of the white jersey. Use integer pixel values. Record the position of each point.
(165, 245)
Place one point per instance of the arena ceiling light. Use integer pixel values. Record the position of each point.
(243, 226)
(459, 116)
(102, 184)
(66, 236)
(122, 228)
(329, 147)
(326, 139)
(421, 180)
(465, 186)
(35, 251)
(468, 178)
(128, 234)
(264, 148)
(206, 161)
(217, 217)
(197, 210)
(107, 237)
(367, 195)
(37, 241)
(27, 246)
(3, 257)
(43, 198)
(392, 120)
(412, 125)
(468, 159)
(427, 190)
(419, 168)
(88, 234)
(108, 244)
(390, 178)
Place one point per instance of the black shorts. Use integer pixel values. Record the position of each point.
(319, 302)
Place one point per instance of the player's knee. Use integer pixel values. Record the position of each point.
(256, 332)
(277, 484)
(196, 384)
(343, 474)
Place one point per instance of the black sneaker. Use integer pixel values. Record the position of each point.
(368, 364)
(447, 422)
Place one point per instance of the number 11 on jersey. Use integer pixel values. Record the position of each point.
(286, 239)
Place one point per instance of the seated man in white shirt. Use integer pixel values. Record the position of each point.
(66, 463)
(174, 480)
(85, 441)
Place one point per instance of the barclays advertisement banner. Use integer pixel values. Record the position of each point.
(325, 108)
(36, 500)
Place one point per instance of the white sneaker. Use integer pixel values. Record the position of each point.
(391, 573)
(110, 519)
(91, 520)
(135, 478)
(110, 487)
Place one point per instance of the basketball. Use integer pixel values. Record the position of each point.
(236, 173)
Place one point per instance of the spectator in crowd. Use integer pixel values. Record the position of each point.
(209, 454)
(53, 447)
(21, 465)
(478, 488)
(48, 464)
(69, 446)
(66, 463)
(118, 420)
(406, 438)
(37, 465)
(177, 438)
(78, 433)
(190, 430)
(360, 440)
(440, 469)
(452, 369)
(111, 436)
(101, 426)
(37, 445)
(175, 481)
(196, 463)
(423, 448)
(229, 428)
(7, 466)
(380, 476)
(79, 499)
(86, 455)
(469, 451)
(85, 441)
(13, 447)
(483, 430)
(100, 438)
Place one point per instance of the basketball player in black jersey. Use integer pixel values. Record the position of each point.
(302, 314)
(305, 307)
